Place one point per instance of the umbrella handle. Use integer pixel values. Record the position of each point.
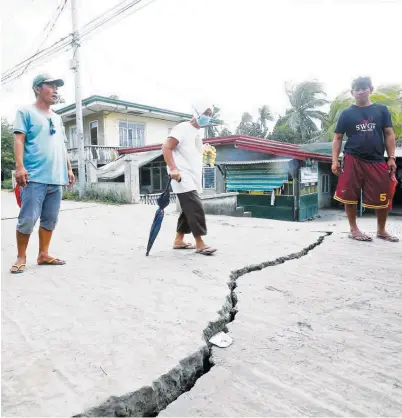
(170, 181)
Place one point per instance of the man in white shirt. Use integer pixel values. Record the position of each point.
(183, 151)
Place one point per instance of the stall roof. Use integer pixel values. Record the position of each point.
(280, 160)
(265, 146)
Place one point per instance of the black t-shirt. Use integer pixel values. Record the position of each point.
(364, 128)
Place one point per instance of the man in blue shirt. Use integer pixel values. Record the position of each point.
(42, 169)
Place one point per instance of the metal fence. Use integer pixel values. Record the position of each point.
(151, 199)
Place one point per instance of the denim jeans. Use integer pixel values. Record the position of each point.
(39, 201)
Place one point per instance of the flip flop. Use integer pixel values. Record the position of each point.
(360, 236)
(389, 238)
(187, 246)
(52, 262)
(206, 251)
(20, 268)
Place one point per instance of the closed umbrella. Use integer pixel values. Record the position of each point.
(163, 202)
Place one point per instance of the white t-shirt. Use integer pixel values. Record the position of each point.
(187, 157)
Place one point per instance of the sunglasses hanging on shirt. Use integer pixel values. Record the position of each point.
(52, 129)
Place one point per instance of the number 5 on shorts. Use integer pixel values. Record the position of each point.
(383, 197)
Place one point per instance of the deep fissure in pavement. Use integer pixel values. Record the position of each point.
(149, 401)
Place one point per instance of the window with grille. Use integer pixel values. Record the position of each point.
(209, 178)
(131, 134)
(325, 183)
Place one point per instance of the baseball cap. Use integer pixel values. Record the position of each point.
(46, 78)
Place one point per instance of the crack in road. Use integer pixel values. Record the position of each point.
(149, 401)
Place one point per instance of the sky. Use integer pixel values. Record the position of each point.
(238, 54)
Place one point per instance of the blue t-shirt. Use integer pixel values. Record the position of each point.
(364, 128)
(45, 155)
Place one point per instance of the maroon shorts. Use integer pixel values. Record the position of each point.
(373, 178)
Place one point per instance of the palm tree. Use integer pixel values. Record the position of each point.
(244, 127)
(388, 95)
(264, 115)
(305, 99)
(225, 132)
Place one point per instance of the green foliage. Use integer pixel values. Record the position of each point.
(225, 132)
(7, 184)
(305, 99)
(92, 195)
(7, 150)
(257, 129)
(283, 133)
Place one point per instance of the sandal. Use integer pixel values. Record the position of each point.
(19, 268)
(389, 238)
(52, 262)
(360, 236)
(187, 246)
(206, 251)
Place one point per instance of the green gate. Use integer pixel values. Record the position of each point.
(308, 206)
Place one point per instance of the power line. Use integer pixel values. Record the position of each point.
(58, 13)
(8, 75)
(66, 41)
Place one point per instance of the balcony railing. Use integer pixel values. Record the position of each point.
(103, 154)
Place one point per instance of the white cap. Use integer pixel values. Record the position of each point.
(200, 106)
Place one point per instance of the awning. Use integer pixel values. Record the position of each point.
(254, 178)
(116, 168)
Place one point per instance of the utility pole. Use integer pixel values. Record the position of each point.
(75, 66)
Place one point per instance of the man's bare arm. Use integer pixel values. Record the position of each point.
(69, 168)
(336, 147)
(21, 174)
(19, 144)
(389, 136)
(168, 147)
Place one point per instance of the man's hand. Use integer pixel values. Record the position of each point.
(21, 176)
(71, 178)
(336, 168)
(175, 175)
(392, 165)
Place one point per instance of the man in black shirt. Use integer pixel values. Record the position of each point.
(369, 131)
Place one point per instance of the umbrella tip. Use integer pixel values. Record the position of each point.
(147, 254)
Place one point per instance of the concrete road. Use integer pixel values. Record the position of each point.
(317, 336)
(117, 333)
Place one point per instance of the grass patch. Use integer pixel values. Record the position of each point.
(7, 184)
(94, 196)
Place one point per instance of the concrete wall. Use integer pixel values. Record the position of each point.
(219, 204)
(324, 199)
(156, 130)
(87, 119)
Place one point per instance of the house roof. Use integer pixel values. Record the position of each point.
(252, 144)
(94, 104)
(326, 148)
